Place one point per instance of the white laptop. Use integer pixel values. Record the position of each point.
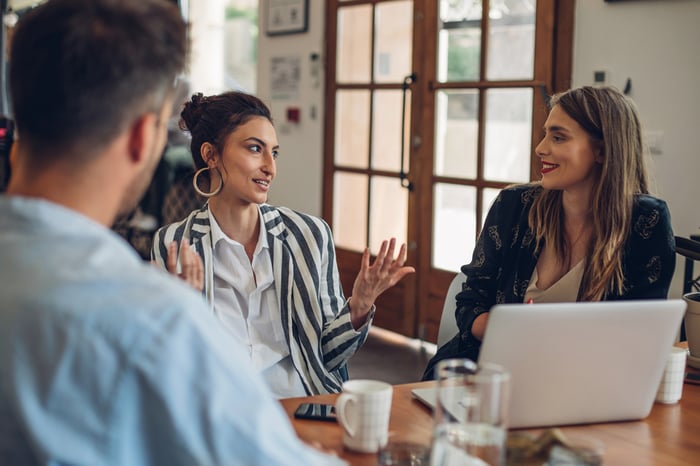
(579, 363)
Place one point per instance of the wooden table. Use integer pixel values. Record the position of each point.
(669, 436)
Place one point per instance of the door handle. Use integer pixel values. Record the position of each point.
(403, 176)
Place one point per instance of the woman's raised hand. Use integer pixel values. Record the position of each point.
(191, 269)
(375, 278)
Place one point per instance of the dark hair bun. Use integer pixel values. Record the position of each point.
(192, 112)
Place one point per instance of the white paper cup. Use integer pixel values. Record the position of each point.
(363, 411)
(671, 386)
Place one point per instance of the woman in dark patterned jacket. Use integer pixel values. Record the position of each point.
(588, 231)
(269, 273)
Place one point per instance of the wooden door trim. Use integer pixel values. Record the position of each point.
(329, 124)
(422, 155)
(563, 44)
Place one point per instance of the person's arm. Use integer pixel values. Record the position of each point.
(346, 322)
(650, 259)
(339, 339)
(493, 259)
(201, 402)
(479, 292)
(479, 325)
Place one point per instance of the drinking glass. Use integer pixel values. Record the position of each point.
(471, 414)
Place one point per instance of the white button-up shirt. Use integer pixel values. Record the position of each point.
(245, 301)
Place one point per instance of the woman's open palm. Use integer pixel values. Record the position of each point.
(373, 279)
(191, 269)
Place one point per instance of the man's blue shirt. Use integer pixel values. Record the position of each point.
(105, 360)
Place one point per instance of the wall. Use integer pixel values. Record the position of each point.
(300, 165)
(653, 42)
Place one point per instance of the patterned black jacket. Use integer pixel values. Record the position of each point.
(504, 259)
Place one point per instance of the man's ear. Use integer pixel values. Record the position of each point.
(141, 137)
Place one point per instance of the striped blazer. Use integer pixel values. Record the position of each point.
(315, 314)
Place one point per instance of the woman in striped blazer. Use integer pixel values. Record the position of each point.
(269, 273)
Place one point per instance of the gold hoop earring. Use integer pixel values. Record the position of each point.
(196, 186)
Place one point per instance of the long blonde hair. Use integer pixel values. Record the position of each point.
(612, 123)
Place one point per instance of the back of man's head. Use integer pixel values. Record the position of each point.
(82, 70)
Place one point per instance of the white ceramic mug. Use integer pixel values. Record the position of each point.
(363, 411)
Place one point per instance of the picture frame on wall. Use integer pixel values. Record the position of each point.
(287, 17)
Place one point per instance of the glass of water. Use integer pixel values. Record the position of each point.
(471, 414)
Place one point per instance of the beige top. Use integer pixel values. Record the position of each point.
(565, 290)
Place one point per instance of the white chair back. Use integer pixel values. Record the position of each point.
(448, 325)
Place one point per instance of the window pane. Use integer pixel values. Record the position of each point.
(508, 135)
(241, 45)
(454, 225)
(459, 10)
(206, 32)
(386, 130)
(352, 128)
(511, 46)
(456, 133)
(388, 213)
(223, 44)
(354, 50)
(350, 211)
(488, 196)
(392, 47)
(459, 41)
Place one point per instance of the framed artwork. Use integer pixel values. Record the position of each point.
(287, 17)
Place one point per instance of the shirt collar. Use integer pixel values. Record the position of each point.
(217, 234)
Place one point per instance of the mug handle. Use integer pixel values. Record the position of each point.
(340, 406)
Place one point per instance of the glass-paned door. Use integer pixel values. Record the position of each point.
(370, 104)
(434, 107)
